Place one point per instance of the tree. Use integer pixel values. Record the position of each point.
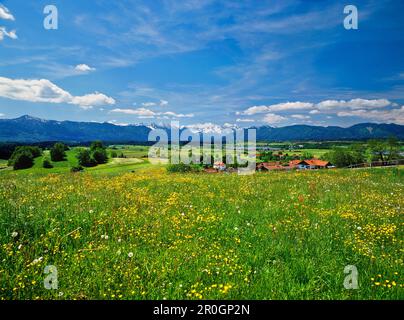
(98, 152)
(100, 155)
(23, 157)
(96, 145)
(85, 158)
(340, 157)
(393, 148)
(58, 152)
(378, 148)
(23, 160)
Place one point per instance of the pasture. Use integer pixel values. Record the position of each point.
(148, 234)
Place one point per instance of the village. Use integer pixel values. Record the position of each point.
(309, 164)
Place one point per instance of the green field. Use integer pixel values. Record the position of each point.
(114, 165)
(152, 235)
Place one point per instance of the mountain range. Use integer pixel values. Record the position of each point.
(29, 129)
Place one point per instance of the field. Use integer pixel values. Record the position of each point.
(148, 234)
(133, 161)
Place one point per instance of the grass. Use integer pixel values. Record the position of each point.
(114, 165)
(153, 235)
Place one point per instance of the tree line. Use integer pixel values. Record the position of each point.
(374, 150)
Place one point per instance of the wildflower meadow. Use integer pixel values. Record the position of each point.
(149, 234)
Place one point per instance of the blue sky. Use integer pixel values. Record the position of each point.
(203, 62)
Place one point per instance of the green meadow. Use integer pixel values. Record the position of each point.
(134, 231)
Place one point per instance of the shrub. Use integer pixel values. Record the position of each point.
(23, 157)
(47, 164)
(23, 160)
(85, 158)
(180, 167)
(100, 155)
(58, 152)
(76, 169)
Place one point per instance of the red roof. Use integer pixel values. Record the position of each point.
(317, 162)
(295, 162)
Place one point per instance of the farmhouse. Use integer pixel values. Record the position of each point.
(309, 164)
(294, 164)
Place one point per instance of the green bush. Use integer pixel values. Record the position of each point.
(47, 164)
(100, 155)
(23, 160)
(58, 152)
(76, 169)
(23, 157)
(85, 158)
(181, 167)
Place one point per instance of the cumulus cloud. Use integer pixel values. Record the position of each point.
(286, 106)
(272, 118)
(5, 13)
(380, 110)
(84, 68)
(353, 104)
(43, 90)
(393, 115)
(254, 110)
(137, 112)
(4, 33)
(147, 113)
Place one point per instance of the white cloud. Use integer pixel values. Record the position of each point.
(393, 115)
(290, 106)
(176, 115)
(83, 68)
(278, 107)
(353, 104)
(323, 105)
(300, 116)
(245, 120)
(43, 90)
(5, 13)
(92, 99)
(4, 33)
(163, 103)
(272, 118)
(2, 114)
(148, 104)
(254, 110)
(138, 112)
(146, 113)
